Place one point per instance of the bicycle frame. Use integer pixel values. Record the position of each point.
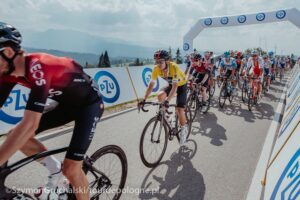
(6, 169)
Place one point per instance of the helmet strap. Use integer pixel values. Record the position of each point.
(10, 61)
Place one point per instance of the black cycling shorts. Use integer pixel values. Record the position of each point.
(199, 77)
(181, 94)
(85, 118)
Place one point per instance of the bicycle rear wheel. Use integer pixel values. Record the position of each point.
(223, 96)
(106, 172)
(250, 100)
(244, 92)
(153, 142)
(212, 88)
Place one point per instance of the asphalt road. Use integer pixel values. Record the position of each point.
(225, 146)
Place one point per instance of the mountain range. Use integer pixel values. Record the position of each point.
(76, 41)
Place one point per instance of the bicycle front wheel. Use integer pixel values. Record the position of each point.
(107, 172)
(153, 143)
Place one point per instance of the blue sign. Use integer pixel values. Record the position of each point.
(288, 185)
(186, 46)
(242, 18)
(17, 100)
(109, 86)
(260, 17)
(147, 77)
(208, 21)
(224, 20)
(280, 14)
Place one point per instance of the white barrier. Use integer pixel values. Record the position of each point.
(283, 173)
(115, 87)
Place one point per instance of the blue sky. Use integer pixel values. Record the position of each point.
(156, 23)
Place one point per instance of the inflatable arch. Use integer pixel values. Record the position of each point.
(292, 15)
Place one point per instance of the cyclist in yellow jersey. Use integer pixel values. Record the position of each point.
(172, 73)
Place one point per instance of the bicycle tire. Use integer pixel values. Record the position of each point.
(110, 149)
(224, 96)
(188, 116)
(145, 161)
(193, 104)
(250, 100)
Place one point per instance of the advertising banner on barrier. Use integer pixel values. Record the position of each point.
(115, 85)
(293, 92)
(283, 176)
(141, 77)
(288, 125)
(13, 109)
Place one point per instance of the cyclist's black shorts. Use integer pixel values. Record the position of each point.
(228, 73)
(181, 94)
(199, 77)
(85, 117)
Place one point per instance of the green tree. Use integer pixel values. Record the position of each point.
(101, 61)
(170, 53)
(178, 57)
(106, 60)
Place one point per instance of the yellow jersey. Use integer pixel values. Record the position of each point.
(174, 75)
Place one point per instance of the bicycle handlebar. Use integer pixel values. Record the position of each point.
(141, 107)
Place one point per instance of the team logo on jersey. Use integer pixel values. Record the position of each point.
(224, 20)
(208, 21)
(38, 74)
(288, 185)
(280, 14)
(260, 17)
(109, 86)
(147, 77)
(242, 19)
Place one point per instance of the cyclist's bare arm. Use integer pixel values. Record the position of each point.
(173, 91)
(19, 135)
(149, 89)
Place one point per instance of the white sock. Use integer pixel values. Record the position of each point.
(52, 164)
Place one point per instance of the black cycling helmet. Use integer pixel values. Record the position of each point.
(9, 37)
(196, 57)
(161, 54)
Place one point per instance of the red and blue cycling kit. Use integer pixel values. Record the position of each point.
(63, 80)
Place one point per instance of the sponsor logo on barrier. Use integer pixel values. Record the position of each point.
(17, 101)
(224, 20)
(186, 46)
(288, 185)
(109, 86)
(289, 118)
(280, 14)
(208, 21)
(242, 18)
(147, 76)
(260, 17)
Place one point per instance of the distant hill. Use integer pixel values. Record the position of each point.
(82, 58)
(90, 45)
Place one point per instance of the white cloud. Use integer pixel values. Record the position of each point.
(153, 23)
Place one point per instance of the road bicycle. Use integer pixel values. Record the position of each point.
(103, 181)
(158, 131)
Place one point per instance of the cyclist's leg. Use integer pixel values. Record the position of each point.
(180, 103)
(164, 92)
(85, 126)
(54, 118)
